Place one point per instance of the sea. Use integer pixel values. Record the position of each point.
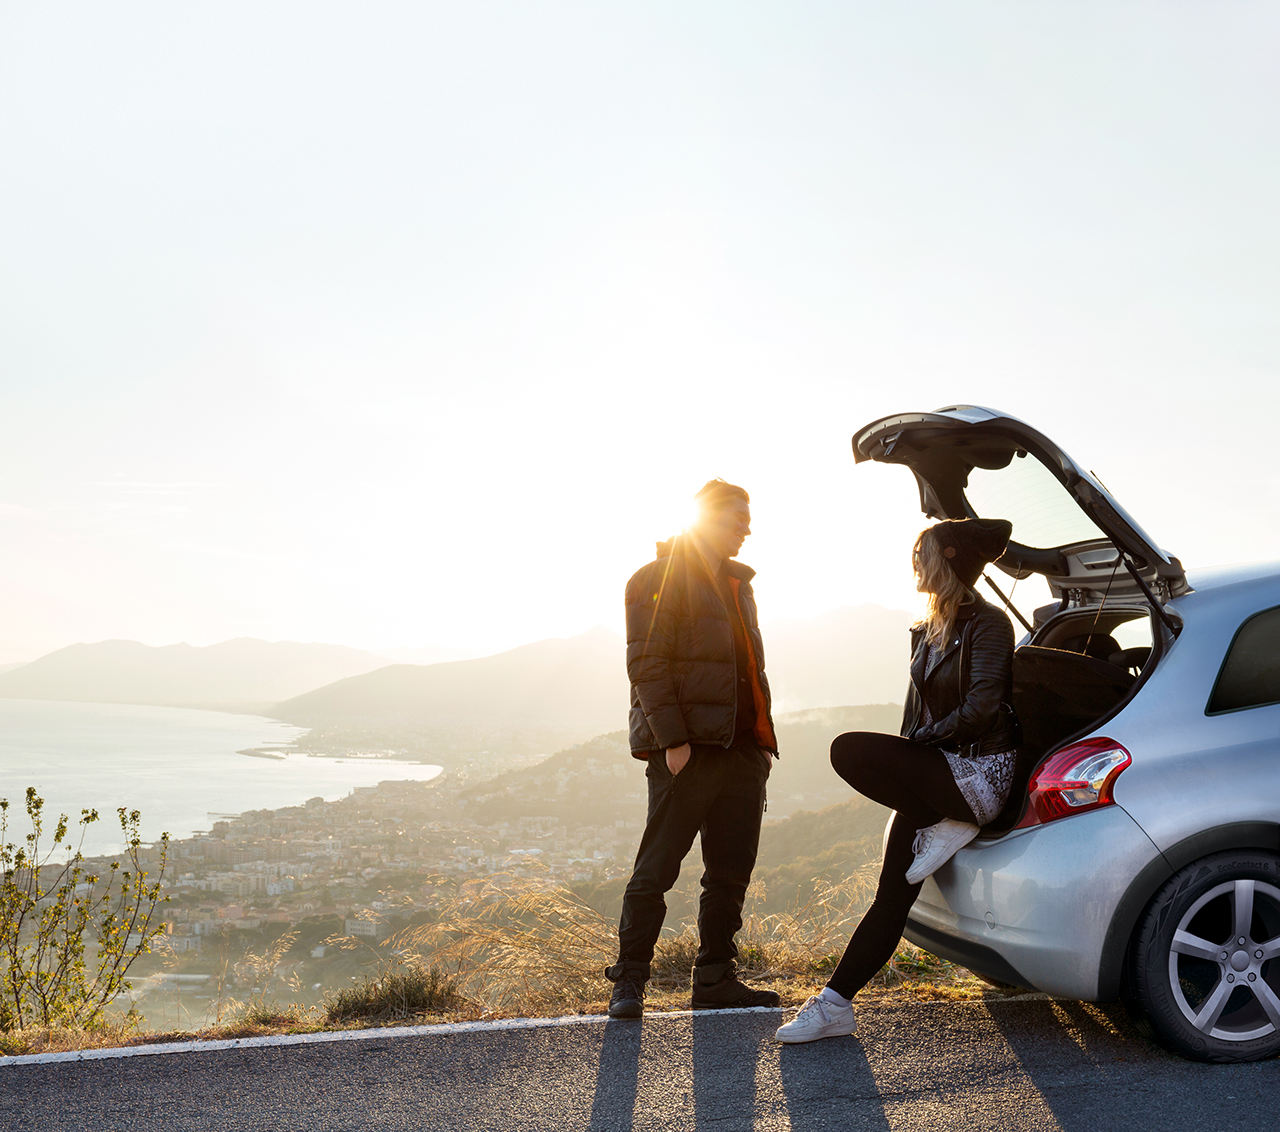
(177, 766)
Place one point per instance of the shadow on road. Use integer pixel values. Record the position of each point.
(1058, 1043)
(723, 1070)
(829, 1084)
(724, 1083)
(617, 1076)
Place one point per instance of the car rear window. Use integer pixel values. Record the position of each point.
(1042, 511)
(1250, 675)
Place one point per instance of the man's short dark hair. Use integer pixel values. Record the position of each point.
(716, 495)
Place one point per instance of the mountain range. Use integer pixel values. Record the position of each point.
(244, 675)
(851, 655)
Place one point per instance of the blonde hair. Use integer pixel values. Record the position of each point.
(939, 581)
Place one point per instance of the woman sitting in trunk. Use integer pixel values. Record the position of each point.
(951, 769)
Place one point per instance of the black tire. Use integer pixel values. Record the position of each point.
(1200, 990)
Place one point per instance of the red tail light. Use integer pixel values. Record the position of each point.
(1077, 779)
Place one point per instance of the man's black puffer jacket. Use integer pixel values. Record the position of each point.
(970, 690)
(680, 651)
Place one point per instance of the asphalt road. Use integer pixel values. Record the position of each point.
(1001, 1065)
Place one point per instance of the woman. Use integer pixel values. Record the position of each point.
(951, 770)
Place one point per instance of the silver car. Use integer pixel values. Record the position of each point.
(1138, 857)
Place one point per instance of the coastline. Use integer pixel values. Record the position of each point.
(171, 764)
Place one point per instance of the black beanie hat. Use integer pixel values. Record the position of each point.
(969, 544)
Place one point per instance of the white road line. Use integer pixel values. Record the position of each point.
(356, 1036)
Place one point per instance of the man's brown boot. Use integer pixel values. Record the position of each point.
(717, 987)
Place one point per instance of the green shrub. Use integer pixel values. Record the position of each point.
(48, 908)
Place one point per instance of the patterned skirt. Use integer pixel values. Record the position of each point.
(985, 781)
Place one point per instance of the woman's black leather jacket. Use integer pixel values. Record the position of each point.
(970, 689)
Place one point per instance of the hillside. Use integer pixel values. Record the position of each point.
(802, 777)
(239, 675)
(578, 683)
(826, 847)
(598, 782)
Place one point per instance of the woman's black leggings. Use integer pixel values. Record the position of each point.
(914, 780)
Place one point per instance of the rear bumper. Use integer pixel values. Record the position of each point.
(977, 957)
(1033, 909)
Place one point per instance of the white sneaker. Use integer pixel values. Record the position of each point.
(935, 845)
(818, 1018)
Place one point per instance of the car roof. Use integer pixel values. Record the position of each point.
(1207, 578)
(1236, 590)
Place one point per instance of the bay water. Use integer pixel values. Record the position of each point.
(178, 766)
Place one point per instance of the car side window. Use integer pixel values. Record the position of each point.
(1250, 675)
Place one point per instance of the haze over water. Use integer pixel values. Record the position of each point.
(176, 765)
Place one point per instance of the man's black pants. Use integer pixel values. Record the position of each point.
(720, 794)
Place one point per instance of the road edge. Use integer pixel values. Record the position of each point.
(218, 1044)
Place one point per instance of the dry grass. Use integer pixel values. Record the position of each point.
(916, 974)
(259, 1020)
(59, 1040)
(803, 942)
(116, 1035)
(523, 946)
(516, 942)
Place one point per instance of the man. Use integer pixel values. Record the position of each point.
(700, 720)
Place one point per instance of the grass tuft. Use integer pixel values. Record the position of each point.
(404, 991)
(258, 1012)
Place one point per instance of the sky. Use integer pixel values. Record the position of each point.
(416, 324)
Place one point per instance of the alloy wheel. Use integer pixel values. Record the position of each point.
(1220, 968)
(1202, 973)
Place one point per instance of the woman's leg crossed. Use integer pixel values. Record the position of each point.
(912, 778)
